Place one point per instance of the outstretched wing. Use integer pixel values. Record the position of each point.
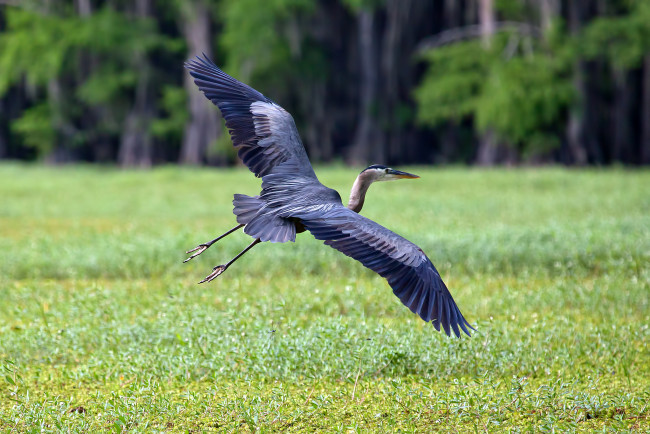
(264, 133)
(408, 270)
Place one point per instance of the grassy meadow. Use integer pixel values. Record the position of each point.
(102, 327)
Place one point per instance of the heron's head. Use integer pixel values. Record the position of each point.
(378, 172)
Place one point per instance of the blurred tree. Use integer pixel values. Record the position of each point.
(393, 81)
(645, 113)
(203, 126)
(623, 42)
(487, 146)
(3, 133)
(521, 102)
(387, 33)
(21, 51)
(601, 106)
(44, 48)
(136, 141)
(579, 134)
(271, 45)
(367, 144)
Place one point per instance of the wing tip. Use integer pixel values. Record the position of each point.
(457, 328)
(198, 61)
(459, 323)
(450, 317)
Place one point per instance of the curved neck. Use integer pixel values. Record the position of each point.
(359, 189)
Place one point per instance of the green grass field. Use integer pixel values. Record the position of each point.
(102, 327)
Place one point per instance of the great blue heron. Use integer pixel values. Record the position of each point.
(292, 200)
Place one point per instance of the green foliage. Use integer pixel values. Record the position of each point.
(35, 126)
(83, 71)
(454, 82)
(524, 100)
(262, 36)
(358, 5)
(44, 47)
(622, 40)
(40, 55)
(105, 83)
(99, 312)
(519, 88)
(512, 10)
(52, 50)
(523, 95)
(174, 102)
(269, 45)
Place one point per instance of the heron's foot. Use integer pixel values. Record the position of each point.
(198, 249)
(216, 272)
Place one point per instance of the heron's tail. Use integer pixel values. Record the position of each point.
(246, 207)
(260, 222)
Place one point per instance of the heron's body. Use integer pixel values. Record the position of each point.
(293, 200)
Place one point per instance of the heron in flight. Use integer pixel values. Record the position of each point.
(292, 201)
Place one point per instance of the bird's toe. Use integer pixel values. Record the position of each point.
(216, 272)
(196, 251)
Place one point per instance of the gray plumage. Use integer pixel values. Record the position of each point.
(293, 200)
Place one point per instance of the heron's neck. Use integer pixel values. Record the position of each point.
(358, 193)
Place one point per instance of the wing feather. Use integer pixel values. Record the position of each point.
(262, 131)
(414, 279)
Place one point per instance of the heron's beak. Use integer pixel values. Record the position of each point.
(400, 174)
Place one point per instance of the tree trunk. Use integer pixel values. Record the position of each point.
(645, 113)
(577, 124)
(487, 21)
(325, 115)
(135, 145)
(472, 10)
(449, 142)
(136, 141)
(487, 153)
(4, 130)
(64, 130)
(452, 14)
(622, 139)
(98, 142)
(396, 48)
(204, 125)
(548, 10)
(367, 144)
(319, 131)
(84, 8)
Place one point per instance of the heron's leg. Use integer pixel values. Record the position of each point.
(203, 247)
(216, 271)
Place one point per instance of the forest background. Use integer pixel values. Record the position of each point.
(367, 81)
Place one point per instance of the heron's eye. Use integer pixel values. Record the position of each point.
(385, 170)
